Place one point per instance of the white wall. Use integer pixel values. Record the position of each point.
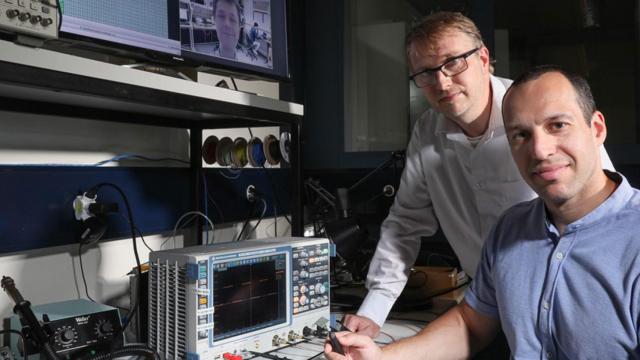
(53, 274)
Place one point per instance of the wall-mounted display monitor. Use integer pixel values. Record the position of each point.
(246, 37)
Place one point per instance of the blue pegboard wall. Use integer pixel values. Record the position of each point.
(37, 200)
(230, 194)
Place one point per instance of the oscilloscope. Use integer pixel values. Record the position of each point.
(233, 298)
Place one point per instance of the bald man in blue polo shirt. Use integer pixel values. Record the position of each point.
(559, 274)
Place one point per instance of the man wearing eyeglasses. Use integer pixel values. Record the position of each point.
(559, 274)
(459, 173)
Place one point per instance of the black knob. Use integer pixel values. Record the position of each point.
(46, 22)
(35, 19)
(67, 336)
(11, 13)
(24, 16)
(106, 328)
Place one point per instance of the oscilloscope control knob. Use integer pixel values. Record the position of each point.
(35, 19)
(11, 13)
(46, 22)
(24, 16)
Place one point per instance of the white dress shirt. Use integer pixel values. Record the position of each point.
(446, 182)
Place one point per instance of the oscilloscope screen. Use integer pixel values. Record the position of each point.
(249, 295)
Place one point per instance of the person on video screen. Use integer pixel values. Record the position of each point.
(227, 19)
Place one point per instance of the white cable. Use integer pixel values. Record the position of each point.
(194, 214)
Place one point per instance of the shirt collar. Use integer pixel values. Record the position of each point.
(616, 202)
(455, 133)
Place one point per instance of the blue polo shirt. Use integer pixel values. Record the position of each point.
(575, 296)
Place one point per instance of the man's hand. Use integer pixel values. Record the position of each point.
(356, 347)
(361, 325)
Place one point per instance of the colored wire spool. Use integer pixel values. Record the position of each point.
(223, 151)
(209, 149)
(255, 152)
(285, 144)
(239, 152)
(271, 146)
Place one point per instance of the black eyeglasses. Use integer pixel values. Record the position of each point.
(449, 68)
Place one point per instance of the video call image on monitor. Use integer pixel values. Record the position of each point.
(235, 30)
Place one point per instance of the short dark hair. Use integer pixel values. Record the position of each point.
(584, 96)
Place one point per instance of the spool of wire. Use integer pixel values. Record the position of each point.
(285, 144)
(223, 151)
(209, 149)
(271, 148)
(255, 152)
(239, 153)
